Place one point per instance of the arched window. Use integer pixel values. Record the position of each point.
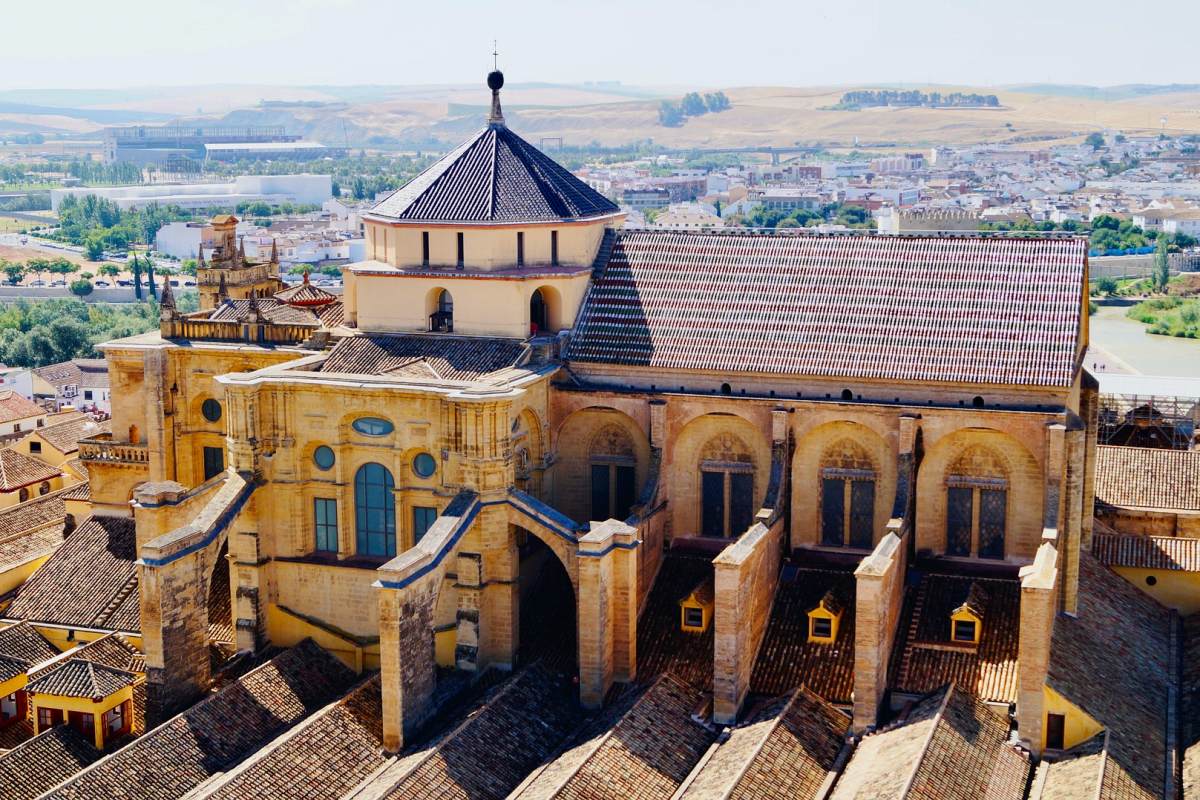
(847, 496)
(613, 473)
(442, 319)
(22, 495)
(978, 479)
(538, 319)
(726, 487)
(374, 511)
(44, 488)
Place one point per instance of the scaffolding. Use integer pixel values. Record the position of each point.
(1165, 422)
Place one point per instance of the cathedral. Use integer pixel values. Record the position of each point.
(542, 506)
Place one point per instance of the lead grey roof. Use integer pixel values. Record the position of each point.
(495, 176)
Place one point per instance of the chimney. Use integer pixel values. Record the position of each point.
(1038, 606)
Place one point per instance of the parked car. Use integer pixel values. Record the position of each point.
(124, 282)
(102, 284)
(37, 283)
(58, 283)
(174, 281)
(189, 282)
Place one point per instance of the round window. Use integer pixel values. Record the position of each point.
(424, 465)
(211, 410)
(323, 457)
(372, 426)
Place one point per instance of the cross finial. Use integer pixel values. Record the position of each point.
(495, 55)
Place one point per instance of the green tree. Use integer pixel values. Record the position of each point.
(669, 114)
(1162, 265)
(150, 279)
(1107, 286)
(93, 248)
(13, 271)
(1095, 140)
(81, 287)
(693, 104)
(109, 270)
(137, 278)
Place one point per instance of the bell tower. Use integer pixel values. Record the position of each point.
(227, 274)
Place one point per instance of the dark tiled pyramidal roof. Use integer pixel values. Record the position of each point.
(80, 678)
(495, 176)
(913, 308)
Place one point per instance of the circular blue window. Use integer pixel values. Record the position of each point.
(372, 426)
(323, 457)
(424, 465)
(211, 410)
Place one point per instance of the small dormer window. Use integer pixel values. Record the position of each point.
(824, 619)
(966, 621)
(696, 610)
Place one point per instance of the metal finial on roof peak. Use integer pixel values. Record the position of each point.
(495, 82)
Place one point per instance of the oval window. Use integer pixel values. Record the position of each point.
(372, 426)
(424, 465)
(211, 410)
(323, 457)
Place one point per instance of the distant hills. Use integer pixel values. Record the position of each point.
(430, 117)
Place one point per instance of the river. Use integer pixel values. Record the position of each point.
(1120, 344)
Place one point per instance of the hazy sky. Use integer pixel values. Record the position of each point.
(121, 43)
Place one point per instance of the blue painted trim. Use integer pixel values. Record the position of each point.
(610, 548)
(222, 523)
(464, 524)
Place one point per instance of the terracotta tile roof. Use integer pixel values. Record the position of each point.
(1189, 707)
(662, 645)
(59, 375)
(272, 310)
(12, 667)
(785, 751)
(35, 543)
(64, 436)
(427, 356)
(964, 309)
(951, 745)
(1147, 477)
(926, 657)
(787, 659)
(47, 509)
(332, 315)
(14, 407)
(43, 762)
(80, 491)
(80, 678)
(334, 749)
(646, 754)
(110, 650)
(1112, 661)
(1147, 552)
(218, 732)
(305, 294)
(495, 176)
(18, 469)
(22, 642)
(497, 746)
(1076, 776)
(90, 581)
